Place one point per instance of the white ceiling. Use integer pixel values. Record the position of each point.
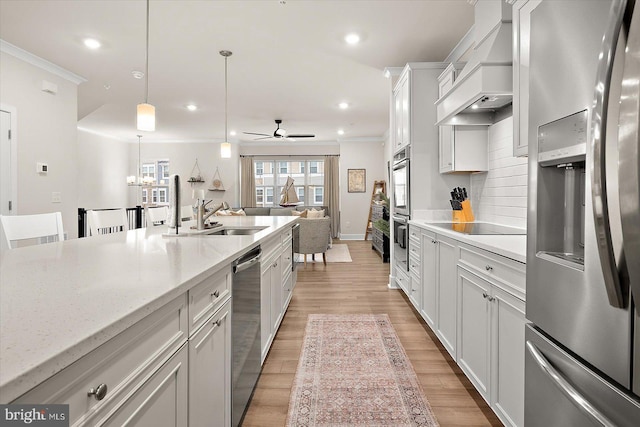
(289, 60)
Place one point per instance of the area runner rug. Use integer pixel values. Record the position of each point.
(353, 372)
(337, 253)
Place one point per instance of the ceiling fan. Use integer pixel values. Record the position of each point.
(279, 133)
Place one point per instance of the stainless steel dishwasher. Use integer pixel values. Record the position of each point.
(245, 332)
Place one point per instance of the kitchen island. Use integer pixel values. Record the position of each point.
(61, 301)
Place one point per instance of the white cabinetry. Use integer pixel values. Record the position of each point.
(429, 278)
(521, 29)
(447, 294)
(461, 148)
(415, 273)
(401, 110)
(473, 300)
(142, 371)
(276, 286)
(210, 371)
(491, 330)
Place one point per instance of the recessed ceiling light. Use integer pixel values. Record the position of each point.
(352, 38)
(232, 133)
(474, 107)
(340, 132)
(92, 43)
(343, 105)
(192, 107)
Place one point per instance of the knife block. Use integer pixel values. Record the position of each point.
(458, 216)
(467, 211)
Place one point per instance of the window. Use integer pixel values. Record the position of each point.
(271, 176)
(155, 178)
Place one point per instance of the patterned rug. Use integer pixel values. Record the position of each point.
(352, 372)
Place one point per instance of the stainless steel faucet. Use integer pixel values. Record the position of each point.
(202, 214)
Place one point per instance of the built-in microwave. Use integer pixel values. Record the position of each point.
(401, 187)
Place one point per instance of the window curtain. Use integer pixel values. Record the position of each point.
(332, 191)
(247, 183)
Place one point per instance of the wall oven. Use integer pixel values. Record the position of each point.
(401, 188)
(400, 241)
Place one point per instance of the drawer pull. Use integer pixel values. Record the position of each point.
(99, 392)
(215, 294)
(434, 241)
(491, 298)
(485, 295)
(217, 322)
(488, 268)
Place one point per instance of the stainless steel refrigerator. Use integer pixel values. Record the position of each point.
(582, 351)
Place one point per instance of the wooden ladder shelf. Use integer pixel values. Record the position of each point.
(378, 187)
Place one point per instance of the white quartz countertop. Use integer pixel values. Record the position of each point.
(510, 246)
(61, 300)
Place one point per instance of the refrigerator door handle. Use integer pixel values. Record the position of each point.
(629, 155)
(598, 175)
(567, 389)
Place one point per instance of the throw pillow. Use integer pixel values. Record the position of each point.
(239, 212)
(315, 214)
(222, 212)
(301, 214)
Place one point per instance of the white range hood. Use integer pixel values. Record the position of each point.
(485, 84)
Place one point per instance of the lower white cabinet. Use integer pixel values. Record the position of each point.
(429, 247)
(276, 287)
(210, 371)
(473, 300)
(161, 401)
(491, 344)
(447, 293)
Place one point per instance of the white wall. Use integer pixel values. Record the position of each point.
(354, 207)
(103, 165)
(46, 132)
(182, 157)
(500, 195)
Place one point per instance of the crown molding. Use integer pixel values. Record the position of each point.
(43, 64)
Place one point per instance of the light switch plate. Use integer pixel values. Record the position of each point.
(56, 197)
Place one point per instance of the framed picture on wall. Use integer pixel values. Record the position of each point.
(356, 180)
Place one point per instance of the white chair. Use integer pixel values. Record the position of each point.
(157, 215)
(23, 227)
(107, 221)
(186, 213)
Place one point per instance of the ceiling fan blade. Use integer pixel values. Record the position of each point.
(308, 135)
(253, 133)
(264, 137)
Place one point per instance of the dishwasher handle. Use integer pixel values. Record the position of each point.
(237, 268)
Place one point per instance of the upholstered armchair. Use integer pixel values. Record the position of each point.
(314, 237)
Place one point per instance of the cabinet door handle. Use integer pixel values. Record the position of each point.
(485, 295)
(434, 241)
(488, 268)
(99, 392)
(216, 293)
(491, 298)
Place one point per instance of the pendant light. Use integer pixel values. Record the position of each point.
(225, 147)
(146, 112)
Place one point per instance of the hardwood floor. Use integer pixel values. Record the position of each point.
(361, 287)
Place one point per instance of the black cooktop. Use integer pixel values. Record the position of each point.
(479, 228)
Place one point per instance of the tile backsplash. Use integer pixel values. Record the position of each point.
(500, 195)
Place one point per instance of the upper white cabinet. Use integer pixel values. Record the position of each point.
(521, 29)
(401, 110)
(461, 148)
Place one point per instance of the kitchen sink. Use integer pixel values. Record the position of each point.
(231, 231)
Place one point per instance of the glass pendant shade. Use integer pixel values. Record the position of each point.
(146, 117)
(225, 150)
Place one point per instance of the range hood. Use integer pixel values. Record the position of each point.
(485, 84)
